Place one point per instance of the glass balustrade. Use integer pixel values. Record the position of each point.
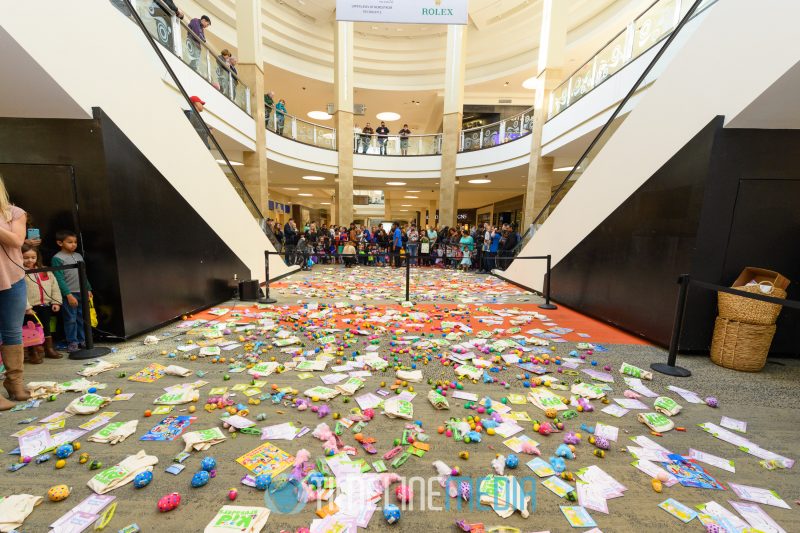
(648, 29)
(174, 35)
(394, 145)
(497, 133)
(301, 130)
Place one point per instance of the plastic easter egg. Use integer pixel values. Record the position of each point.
(200, 479)
(208, 464)
(711, 401)
(602, 443)
(169, 502)
(465, 490)
(391, 513)
(232, 494)
(512, 461)
(142, 479)
(58, 492)
(64, 451)
(263, 481)
(404, 493)
(61, 463)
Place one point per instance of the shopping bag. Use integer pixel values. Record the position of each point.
(32, 332)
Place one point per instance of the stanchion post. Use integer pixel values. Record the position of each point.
(670, 368)
(547, 304)
(90, 352)
(266, 299)
(408, 277)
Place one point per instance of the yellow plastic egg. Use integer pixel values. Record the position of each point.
(57, 493)
(61, 463)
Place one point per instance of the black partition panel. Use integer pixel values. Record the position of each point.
(150, 256)
(726, 200)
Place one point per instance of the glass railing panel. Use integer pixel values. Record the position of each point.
(652, 25)
(581, 82)
(491, 136)
(395, 145)
(611, 58)
(326, 137)
(507, 130)
(301, 131)
(304, 132)
(471, 140)
(559, 99)
(193, 53)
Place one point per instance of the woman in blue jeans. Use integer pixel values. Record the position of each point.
(13, 297)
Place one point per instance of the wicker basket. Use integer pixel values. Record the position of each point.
(741, 346)
(751, 311)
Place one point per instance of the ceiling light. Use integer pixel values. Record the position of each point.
(304, 194)
(324, 203)
(412, 191)
(404, 210)
(563, 169)
(314, 178)
(233, 163)
(395, 183)
(411, 197)
(480, 181)
(405, 205)
(319, 115)
(291, 188)
(388, 116)
(530, 83)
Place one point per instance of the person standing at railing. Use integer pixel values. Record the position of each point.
(366, 137)
(383, 137)
(223, 64)
(197, 35)
(232, 62)
(171, 5)
(280, 116)
(404, 133)
(269, 103)
(13, 299)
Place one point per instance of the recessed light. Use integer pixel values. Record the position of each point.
(388, 116)
(405, 205)
(412, 191)
(395, 183)
(233, 163)
(411, 197)
(563, 169)
(480, 181)
(304, 194)
(314, 178)
(291, 188)
(404, 210)
(319, 115)
(324, 203)
(530, 83)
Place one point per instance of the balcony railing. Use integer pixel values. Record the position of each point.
(648, 29)
(394, 145)
(174, 35)
(504, 131)
(301, 130)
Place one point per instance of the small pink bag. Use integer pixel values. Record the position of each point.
(32, 333)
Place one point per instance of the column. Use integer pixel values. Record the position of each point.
(343, 116)
(431, 214)
(251, 72)
(387, 209)
(451, 121)
(552, 44)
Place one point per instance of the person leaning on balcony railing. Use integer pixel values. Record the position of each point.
(269, 103)
(280, 116)
(197, 34)
(383, 137)
(171, 5)
(404, 133)
(366, 137)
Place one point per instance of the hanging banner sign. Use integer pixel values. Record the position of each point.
(403, 11)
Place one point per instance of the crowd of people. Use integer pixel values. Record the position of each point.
(364, 137)
(29, 299)
(478, 248)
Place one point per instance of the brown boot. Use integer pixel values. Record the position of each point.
(49, 351)
(37, 355)
(14, 384)
(28, 354)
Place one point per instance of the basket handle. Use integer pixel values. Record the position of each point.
(770, 285)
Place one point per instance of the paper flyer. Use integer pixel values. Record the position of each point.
(678, 510)
(169, 428)
(577, 516)
(266, 459)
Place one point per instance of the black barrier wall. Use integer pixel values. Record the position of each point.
(725, 201)
(150, 256)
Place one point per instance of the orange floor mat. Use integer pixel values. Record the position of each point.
(583, 328)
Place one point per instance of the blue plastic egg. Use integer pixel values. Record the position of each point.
(512, 461)
(200, 478)
(391, 513)
(64, 451)
(208, 464)
(263, 481)
(142, 479)
(316, 479)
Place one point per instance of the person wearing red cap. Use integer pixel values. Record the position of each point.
(196, 120)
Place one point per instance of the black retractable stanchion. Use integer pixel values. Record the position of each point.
(547, 304)
(408, 277)
(669, 367)
(91, 351)
(266, 299)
